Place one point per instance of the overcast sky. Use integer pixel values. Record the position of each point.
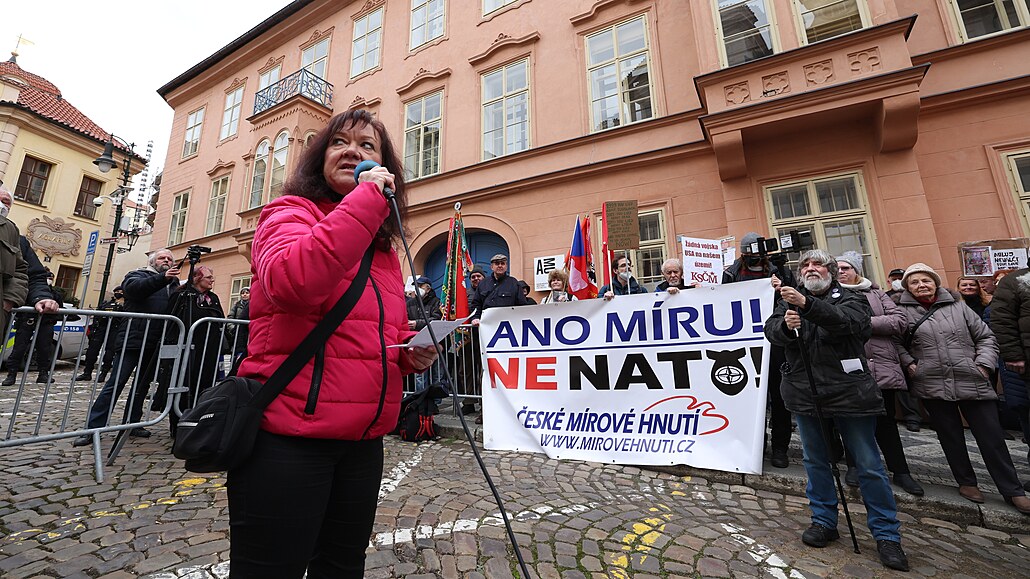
(109, 58)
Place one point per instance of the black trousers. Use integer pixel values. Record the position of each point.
(25, 326)
(887, 437)
(982, 416)
(303, 504)
(779, 419)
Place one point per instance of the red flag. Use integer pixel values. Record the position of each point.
(579, 268)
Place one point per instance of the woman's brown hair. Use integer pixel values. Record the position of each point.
(308, 179)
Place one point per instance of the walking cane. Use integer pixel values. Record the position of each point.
(826, 431)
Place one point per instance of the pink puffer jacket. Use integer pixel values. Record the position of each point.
(304, 256)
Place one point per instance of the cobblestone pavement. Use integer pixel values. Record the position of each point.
(436, 518)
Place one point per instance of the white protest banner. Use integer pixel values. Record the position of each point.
(543, 266)
(642, 379)
(1008, 258)
(702, 260)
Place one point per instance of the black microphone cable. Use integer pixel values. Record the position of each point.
(392, 198)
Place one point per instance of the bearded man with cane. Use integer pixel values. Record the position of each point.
(823, 329)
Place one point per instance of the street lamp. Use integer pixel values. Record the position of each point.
(105, 163)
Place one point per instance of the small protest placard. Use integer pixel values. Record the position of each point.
(702, 260)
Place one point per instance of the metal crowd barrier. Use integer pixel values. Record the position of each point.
(56, 406)
(162, 380)
(464, 361)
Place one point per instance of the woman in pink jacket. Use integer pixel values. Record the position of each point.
(306, 498)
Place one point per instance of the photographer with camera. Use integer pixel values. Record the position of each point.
(756, 261)
(147, 291)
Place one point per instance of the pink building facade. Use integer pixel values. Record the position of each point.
(896, 128)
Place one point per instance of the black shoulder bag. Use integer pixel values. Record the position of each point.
(218, 433)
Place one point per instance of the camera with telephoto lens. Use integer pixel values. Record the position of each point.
(777, 250)
(193, 252)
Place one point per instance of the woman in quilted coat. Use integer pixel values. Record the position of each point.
(305, 500)
(948, 353)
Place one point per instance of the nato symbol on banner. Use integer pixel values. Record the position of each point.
(728, 374)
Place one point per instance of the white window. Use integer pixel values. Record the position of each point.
(833, 208)
(314, 58)
(745, 30)
(1018, 165)
(422, 136)
(194, 123)
(177, 223)
(231, 116)
(491, 5)
(368, 37)
(982, 17)
(238, 283)
(269, 77)
(279, 154)
(426, 21)
(506, 110)
(647, 261)
(257, 181)
(216, 205)
(822, 19)
(619, 75)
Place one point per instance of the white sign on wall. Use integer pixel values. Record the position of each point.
(543, 266)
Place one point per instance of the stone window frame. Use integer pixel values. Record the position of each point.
(1020, 189)
(959, 24)
(425, 23)
(84, 202)
(364, 16)
(314, 62)
(265, 174)
(217, 203)
(420, 128)
(21, 191)
(799, 9)
(774, 36)
(528, 90)
(233, 107)
(816, 220)
(179, 215)
(194, 129)
(647, 51)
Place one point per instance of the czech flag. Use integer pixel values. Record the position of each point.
(578, 263)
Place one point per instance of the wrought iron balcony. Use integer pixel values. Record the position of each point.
(302, 83)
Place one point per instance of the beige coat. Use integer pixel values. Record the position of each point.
(14, 278)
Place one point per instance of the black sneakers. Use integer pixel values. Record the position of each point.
(892, 555)
(819, 536)
(779, 458)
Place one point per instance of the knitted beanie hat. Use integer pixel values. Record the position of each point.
(854, 259)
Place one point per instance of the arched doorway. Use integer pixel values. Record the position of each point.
(482, 245)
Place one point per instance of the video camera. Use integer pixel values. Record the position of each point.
(193, 252)
(776, 250)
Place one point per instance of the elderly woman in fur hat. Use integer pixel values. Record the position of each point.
(948, 353)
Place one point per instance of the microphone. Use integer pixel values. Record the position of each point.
(365, 166)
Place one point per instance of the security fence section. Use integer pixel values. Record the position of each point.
(78, 375)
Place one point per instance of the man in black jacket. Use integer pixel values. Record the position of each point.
(833, 324)
(499, 289)
(147, 291)
(751, 265)
(423, 291)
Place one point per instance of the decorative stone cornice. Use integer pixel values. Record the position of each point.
(595, 10)
(503, 41)
(422, 76)
(235, 84)
(360, 101)
(317, 36)
(220, 165)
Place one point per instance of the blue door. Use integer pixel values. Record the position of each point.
(482, 245)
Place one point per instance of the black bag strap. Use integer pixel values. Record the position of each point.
(911, 332)
(319, 334)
